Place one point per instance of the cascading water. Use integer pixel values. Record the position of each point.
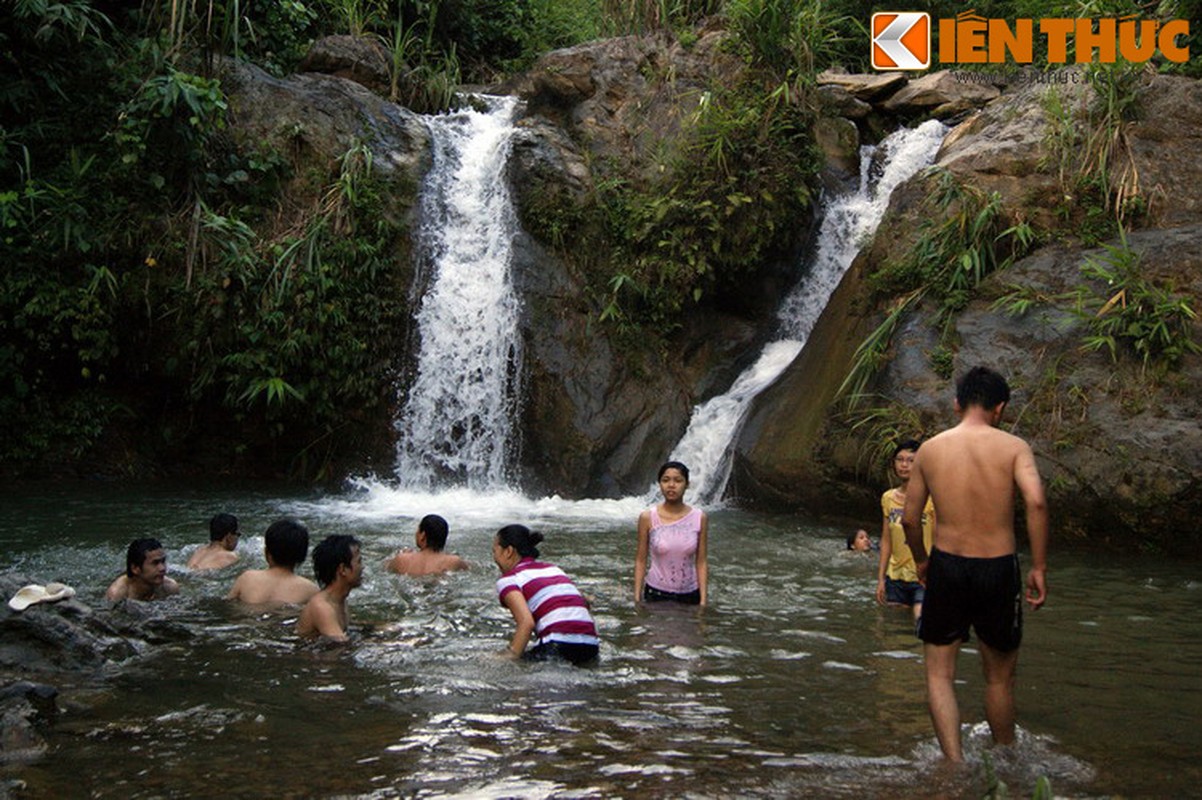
(456, 423)
(706, 445)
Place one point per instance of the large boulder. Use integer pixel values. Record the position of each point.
(319, 117)
(361, 59)
(600, 414)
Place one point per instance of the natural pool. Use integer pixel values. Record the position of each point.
(792, 684)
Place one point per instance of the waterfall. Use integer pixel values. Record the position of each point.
(457, 419)
(707, 445)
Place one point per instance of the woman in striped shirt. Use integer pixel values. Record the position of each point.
(545, 604)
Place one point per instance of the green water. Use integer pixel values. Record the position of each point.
(792, 684)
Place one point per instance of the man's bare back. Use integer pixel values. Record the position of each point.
(971, 472)
(212, 556)
(272, 586)
(424, 562)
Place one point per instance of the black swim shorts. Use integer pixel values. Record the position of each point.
(576, 653)
(985, 593)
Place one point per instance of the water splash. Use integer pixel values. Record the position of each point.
(709, 440)
(456, 424)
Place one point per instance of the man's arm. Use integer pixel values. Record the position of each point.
(1030, 486)
(916, 501)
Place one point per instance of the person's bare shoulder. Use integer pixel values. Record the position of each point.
(209, 559)
(320, 618)
(117, 590)
(299, 590)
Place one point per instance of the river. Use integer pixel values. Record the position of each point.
(793, 683)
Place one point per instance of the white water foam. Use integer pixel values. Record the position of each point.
(457, 420)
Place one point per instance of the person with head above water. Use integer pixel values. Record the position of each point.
(897, 578)
(673, 537)
(972, 574)
(145, 575)
(222, 549)
(428, 558)
(859, 542)
(339, 569)
(285, 545)
(545, 604)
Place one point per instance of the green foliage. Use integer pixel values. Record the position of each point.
(643, 16)
(1132, 313)
(420, 80)
(876, 429)
(1149, 318)
(796, 39)
(171, 118)
(292, 332)
(964, 238)
(355, 17)
(719, 212)
(1087, 147)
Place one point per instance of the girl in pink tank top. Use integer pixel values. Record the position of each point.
(672, 537)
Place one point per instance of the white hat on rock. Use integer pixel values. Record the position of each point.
(35, 593)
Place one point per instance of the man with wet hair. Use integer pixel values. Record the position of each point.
(972, 472)
(222, 549)
(339, 569)
(145, 575)
(428, 559)
(285, 545)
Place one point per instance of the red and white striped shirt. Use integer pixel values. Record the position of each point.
(559, 609)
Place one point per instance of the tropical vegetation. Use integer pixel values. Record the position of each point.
(149, 276)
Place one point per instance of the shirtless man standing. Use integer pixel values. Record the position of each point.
(285, 545)
(972, 575)
(428, 559)
(339, 569)
(145, 575)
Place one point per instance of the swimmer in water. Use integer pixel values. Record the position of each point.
(859, 542)
(339, 570)
(222, 549)
(285, 546)
(145, 575)
(429, 558)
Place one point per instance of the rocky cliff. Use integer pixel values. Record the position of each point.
(1118, 442)
(1117, 439)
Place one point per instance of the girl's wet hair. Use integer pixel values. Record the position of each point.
(905, 444)
(520, 538)
(667, 465)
